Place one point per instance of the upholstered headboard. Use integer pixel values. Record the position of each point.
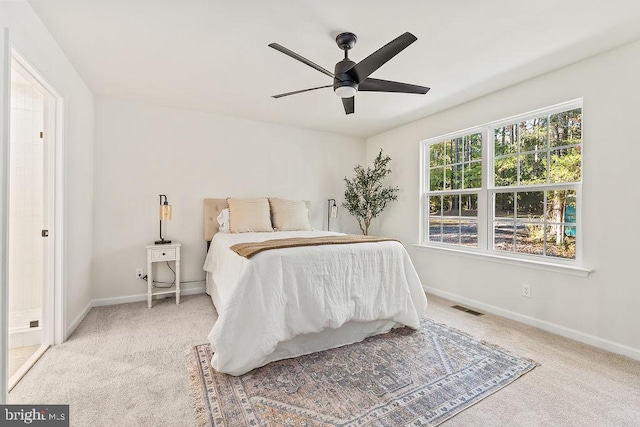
(212, 208)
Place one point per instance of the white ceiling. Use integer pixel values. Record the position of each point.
(212, 55)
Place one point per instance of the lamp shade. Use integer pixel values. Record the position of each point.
(165, 212)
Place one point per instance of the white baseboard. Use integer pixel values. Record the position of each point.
(25, 337)
(142, 297)
(573, 334)
(79, 318)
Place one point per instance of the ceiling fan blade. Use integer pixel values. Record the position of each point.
(349, 104)
(302, 59)
(377, 85)
(300, 91)
(377, 59)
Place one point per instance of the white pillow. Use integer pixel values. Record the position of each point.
(247, 215)
(289, 215)
(223, 220)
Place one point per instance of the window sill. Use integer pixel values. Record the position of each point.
(573, 270)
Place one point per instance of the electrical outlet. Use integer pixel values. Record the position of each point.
(526, 291)
(139, 273)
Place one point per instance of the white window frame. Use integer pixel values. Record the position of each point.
(488, 189)
(424, 188)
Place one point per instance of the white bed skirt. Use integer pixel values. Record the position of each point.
(348, 333)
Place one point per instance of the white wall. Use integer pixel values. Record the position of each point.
(601, 308)
(31, 38)
(142, 151)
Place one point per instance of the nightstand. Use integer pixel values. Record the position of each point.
(162, 253)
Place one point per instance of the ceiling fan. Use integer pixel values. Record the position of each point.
(349, 77)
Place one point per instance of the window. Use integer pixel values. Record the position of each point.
(510, 187)
(455, 177)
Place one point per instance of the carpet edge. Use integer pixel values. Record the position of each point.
(487, 343)
(463, 408)
(533, 364)
(197, 397)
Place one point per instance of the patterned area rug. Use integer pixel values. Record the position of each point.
(402, 378)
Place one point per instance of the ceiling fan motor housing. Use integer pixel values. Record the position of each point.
(344, 85)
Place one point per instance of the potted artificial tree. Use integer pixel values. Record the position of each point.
(365, 197)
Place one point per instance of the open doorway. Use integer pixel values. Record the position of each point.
(31, 260)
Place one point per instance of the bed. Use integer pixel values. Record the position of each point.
(288, 302)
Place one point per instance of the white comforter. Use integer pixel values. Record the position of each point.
(280, 294)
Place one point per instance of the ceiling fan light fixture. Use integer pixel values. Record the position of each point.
(345, 91)
(350, 77)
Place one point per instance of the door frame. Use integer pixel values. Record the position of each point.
(53, 313)
(5, 72)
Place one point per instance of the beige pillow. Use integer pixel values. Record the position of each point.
(247, 215)
(289, 215)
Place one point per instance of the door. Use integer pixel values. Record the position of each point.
(30, 281)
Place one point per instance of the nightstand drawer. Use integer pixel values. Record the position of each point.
(163, 254)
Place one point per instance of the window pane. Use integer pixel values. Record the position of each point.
(436, 179)
(560, 242)
(504, 205)
(530, 239)
(533, 134)
(533, 168)
(458, 153)
(469, 205)
(449, 178)
(448, 152)
(435, 230)
(435, 206)
(451, 231)
(505, 171)
(436, 154)
(469, 232)
(473, 175)
(503, 236)
(456, 178)
(450, 206)
(565, 165)
(453, 150)
(561, 206)
(570, 209)
(531, 205)
(505, 140)
(473, 147)
(565, 128)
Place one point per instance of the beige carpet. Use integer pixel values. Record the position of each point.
(125, 366)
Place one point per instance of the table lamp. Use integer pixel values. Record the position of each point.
(165, 214)
(332, 212)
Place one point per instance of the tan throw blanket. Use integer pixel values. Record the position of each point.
(249, 249)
